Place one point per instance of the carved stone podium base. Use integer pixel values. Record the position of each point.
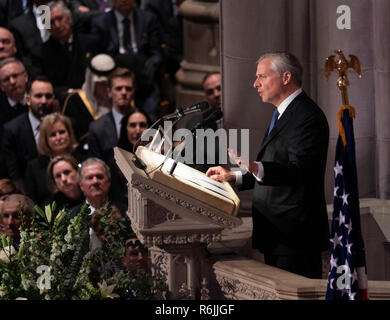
(176, 227)
(182, 267)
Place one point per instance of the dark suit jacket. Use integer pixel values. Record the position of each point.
(66, 69)
(7, 112)
(35, 184)
(148, 35)
(289, 208)
(18, 146)
(102, 137)
(11, 9)
(28, 41)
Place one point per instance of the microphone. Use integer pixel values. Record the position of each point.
(214, 116)
(180, 112)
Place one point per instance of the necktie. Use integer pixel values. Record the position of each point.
(273, 121)
(126, 35)
(36, 133)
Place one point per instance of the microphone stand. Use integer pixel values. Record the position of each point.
(138, 162)
(179, 153)
(192, 133)
(177, 116)
(216, 115)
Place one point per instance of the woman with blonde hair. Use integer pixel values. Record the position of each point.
(56, 138)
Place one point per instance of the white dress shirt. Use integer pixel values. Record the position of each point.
(12, 103)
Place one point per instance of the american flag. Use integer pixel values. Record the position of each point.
(347, 278)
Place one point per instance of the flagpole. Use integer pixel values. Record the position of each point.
(347, 277)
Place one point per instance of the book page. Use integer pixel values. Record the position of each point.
(199, 178)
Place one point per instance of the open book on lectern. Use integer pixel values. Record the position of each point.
(189, 181)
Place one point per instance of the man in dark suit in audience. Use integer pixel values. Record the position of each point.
(104, 133)
(64, 57)
(20, 135)
(13, 81)
(29, 38)
(137, 35)
(290, 222)
(94, 178)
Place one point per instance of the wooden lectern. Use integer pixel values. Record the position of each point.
(176, 216)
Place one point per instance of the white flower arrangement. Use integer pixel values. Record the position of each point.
(52, 263)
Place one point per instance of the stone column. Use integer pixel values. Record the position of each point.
(200, 48)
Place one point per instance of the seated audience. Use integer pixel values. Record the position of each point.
(94, 178)
(10, 218)
(29, 37)
(136, 35)
(64, 57)
(62, 180)
(92, 101)
(136, 255)
(104, 133)
(133, 125)
(13, 81)
(56, 138)
(21, 134)
(131, 130)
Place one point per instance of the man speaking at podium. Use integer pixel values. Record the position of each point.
(290, 224)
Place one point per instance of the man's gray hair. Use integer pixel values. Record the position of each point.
(91, 161)
(285, 61)
(27, 205)
(62, 5)
(12, 60)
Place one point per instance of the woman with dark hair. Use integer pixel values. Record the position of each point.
(62, 180)
(56, 138)
(132, 126)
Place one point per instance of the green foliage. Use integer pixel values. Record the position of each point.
(54, 261)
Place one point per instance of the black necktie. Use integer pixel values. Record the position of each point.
(273, 121)
(126, 35)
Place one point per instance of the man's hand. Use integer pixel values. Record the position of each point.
(220, 174)
(243, 163)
